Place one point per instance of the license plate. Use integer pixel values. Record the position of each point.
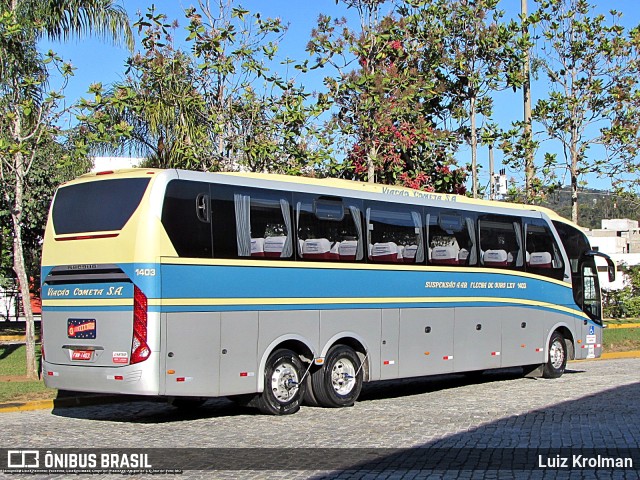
(81, 354)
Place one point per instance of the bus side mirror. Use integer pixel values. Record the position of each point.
(611, 266)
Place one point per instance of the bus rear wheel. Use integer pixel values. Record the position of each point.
(339, 382)
(557, 357)
(283, 387)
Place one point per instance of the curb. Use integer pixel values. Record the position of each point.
(614, 326)
(69, 402)
(614, 355)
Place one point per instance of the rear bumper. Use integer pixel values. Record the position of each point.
(138, 379)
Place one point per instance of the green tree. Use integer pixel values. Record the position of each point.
(391, 109)
(28, 111)
(591, 67)
(484, 55)
(216, 106)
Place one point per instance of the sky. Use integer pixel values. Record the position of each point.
(99, 61)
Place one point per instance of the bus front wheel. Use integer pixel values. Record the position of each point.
(556, 357)
(283, 387)
(339, 382)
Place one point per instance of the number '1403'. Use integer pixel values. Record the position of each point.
(146, 272)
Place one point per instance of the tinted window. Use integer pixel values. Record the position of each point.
(395, 234)
(501, 243)
(329, 229)
(185, 217)
(251, 222)
(452, 239)
(103, 205)
(543, 256)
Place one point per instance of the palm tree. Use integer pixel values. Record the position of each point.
(23, 79)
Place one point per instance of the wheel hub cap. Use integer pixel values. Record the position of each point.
(343, 376)
(284, 382)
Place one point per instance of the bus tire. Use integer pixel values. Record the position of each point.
(310, 398)
(339, 382)
(556, 358)
(283, 391)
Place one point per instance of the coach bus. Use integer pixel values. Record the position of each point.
(277, 290)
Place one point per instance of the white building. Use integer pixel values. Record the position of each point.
(620, 239)
(101, 164)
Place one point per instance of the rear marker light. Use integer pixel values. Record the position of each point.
(87, 237)
(140, 351)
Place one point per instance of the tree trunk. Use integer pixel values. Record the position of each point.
(574, 175)
(371, 167)
(19, 266)
(474, 148)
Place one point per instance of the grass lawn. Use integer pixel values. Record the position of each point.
(14, 385)
(621, 339)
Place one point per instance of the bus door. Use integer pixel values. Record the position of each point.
(591, 300)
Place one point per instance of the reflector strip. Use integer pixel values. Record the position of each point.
(448, 357)
(389, 362)
(53, 374)
(495, 354)
(247, 374)
(115, 377)
(87, 237)
(539, 349)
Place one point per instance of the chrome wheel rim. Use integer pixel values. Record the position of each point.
(284, 382)
(343, 376)
(556, 355)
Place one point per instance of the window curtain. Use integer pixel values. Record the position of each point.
(243, 224)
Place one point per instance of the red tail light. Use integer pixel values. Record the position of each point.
(139, 349)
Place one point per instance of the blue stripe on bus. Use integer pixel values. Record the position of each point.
(197, 281)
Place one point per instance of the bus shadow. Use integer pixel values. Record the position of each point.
(153, 411)
(420, 385)
(139, 410)
(604, 424)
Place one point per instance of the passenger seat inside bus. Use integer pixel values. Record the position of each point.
(540, 260)
(273, 246)
(495, 258)
(385, 252)
(320, 249)
(445, 255)
(257, 247)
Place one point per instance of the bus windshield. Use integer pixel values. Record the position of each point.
(584, 273)
(106, 205)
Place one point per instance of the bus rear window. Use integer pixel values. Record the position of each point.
(104, 205)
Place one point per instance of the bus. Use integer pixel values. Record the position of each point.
(278, 291)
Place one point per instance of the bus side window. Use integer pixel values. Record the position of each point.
(186, 219)
(543, 255)
(329, 229)
(452, 238)
(501, 243)
(249, 222)
(395, 235)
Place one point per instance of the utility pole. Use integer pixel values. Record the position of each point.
(526, 93)
(492, 175)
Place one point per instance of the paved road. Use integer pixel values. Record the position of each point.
(596, 404)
